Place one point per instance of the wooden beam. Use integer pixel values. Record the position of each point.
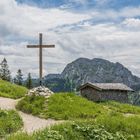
(43, 46)
(40, 46)
(40, 58)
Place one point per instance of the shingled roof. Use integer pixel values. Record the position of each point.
(108, 86)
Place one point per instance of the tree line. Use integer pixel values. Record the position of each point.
(5, 74)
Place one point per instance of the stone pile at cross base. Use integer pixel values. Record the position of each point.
(40, 91)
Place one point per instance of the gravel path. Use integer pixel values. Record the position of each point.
(6, 103)
(31, 123)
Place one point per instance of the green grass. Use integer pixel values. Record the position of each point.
(73, 131)
(10, 90)
(20, 136)
(32, 105)
(61, 107)
(122, 108)
(114, 122)
(10, 122)
(70, 107)
(107, 119)
(108, 127)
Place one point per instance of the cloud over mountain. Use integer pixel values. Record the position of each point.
(107, 33)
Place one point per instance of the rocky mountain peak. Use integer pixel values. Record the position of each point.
(98, 70)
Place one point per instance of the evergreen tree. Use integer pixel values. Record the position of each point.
(29, 81)
(4, 71)
(19, 78)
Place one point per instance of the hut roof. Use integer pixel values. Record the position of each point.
(108, 86)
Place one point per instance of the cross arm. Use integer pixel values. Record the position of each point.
(38, 46)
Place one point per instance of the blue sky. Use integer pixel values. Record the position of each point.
(108, 29)
(81, 4)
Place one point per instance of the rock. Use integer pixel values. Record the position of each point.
(40, 91)
(98, 70)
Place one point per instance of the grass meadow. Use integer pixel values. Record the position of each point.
(10, 90)
(84, 119)
(10, 122)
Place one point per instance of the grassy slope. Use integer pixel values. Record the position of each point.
(122, 108)
(11, 90)
(70, 107)
(9, 122)
(61, 106)
(115, 117)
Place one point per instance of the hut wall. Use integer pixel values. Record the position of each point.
(91, 94)
(96, 95)
(117, 95)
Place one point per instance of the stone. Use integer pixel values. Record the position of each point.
(40, 91)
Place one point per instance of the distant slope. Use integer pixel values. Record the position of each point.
(10, 90)
(97, 70)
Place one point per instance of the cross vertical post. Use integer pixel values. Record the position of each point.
(40, 46)
(40, 58)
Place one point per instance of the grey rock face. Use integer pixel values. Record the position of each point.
(53, 76)
(99, 71)
(40, 91)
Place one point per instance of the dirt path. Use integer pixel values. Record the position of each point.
(31, 123)
(6, 103)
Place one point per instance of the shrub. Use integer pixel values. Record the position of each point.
(97, 132)
(73, 131)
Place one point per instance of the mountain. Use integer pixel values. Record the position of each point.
(96, 70)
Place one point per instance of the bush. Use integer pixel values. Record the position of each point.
(9, 122)
(97, 132)
(73, 131)
(10, 90)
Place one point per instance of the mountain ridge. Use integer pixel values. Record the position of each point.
(96, 70)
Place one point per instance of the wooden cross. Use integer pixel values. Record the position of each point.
(40, 46)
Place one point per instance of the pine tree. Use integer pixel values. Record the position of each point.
(19, 78)
(29, 81)
(4, 71)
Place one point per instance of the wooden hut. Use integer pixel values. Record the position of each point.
(106, 91)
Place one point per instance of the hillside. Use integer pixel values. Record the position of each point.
(82, 118)
(97, 70)
(10, 90)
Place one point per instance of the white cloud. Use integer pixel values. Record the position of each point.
(132, 23)
(26, 20)
(75, 35)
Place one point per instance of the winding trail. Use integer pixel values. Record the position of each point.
(31, 123)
